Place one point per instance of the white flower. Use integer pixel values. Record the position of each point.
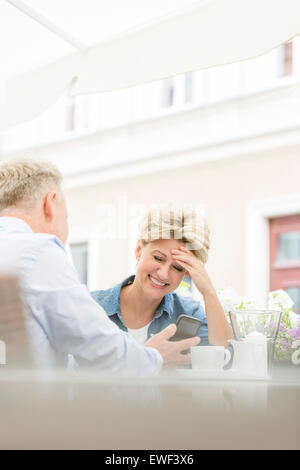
(230, 300)
(246, 303)
(280, 300)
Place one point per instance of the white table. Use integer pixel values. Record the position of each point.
(96, 411)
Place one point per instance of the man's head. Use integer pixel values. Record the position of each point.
(31, 190)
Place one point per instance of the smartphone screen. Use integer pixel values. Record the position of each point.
(187, 327)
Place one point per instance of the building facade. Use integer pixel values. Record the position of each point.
(225, 139)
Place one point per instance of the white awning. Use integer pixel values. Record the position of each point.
(88, 46)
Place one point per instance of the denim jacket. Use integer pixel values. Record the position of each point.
(168, 311)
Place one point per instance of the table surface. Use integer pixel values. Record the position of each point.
(93, 410)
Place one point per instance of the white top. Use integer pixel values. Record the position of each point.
(64, 319)
(139, 334)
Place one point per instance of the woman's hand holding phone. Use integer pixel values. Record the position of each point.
(171, 351)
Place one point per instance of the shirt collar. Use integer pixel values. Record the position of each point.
(166, 305)
(14, 223)
(114, 301)
(113, 307)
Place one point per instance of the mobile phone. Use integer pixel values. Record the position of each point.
(187, 327)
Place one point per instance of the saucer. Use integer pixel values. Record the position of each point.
(231, 374)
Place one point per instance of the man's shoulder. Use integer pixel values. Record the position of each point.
(50, 240)
(38, 241)
(20, 251)
(46, 246)
(45, 264)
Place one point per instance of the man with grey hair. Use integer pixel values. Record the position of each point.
(63, 318)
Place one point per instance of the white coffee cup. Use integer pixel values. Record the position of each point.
(209, 358)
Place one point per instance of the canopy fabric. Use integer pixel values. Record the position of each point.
(87, 46)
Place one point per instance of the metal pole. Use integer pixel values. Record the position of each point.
(48, 24)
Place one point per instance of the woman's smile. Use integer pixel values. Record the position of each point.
(156, 283)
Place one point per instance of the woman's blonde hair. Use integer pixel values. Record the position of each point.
(23, 182)
(179, 223)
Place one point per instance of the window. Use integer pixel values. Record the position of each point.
(294, 293)
(288, 246)
(77, 113)
(79, 253)
(286, 59)
(168, 92)
(285, 256)
(82, 112)
(70, 114)
(188, 87)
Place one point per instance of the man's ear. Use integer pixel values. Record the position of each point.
(138, 249)
(48, 206)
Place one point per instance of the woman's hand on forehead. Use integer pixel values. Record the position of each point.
(194, 267)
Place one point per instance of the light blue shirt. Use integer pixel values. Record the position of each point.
(63, 318)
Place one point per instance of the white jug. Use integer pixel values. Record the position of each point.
(251, 356)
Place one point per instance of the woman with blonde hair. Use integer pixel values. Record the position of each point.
(174, 242)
